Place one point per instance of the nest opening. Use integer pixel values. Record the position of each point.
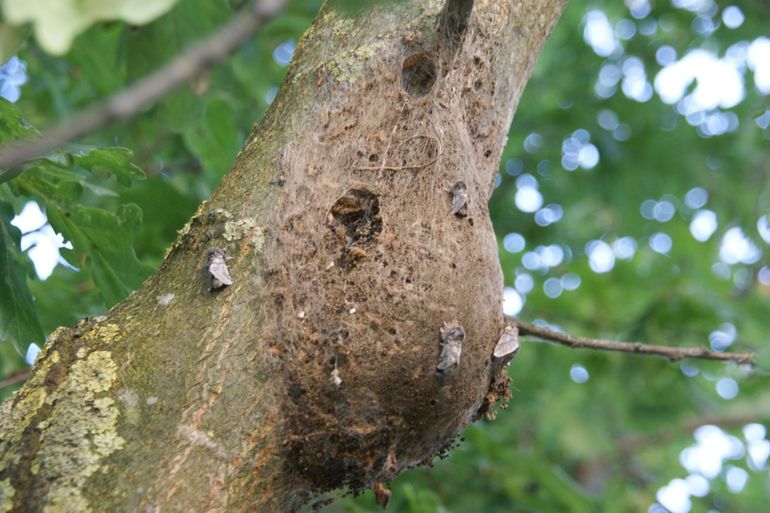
(418, 74)
(355, 221)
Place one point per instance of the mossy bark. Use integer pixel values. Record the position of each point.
(317, 368)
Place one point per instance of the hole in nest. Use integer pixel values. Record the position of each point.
(373, 157)
(355, 221)
(418, 74)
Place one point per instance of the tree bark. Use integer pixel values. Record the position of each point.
(331, 361)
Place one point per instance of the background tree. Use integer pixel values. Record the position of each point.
(631, 203)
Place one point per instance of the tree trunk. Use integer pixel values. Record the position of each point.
(357, 336)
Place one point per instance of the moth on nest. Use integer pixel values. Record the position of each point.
(452, 336)
(507, 345)
(459, 194)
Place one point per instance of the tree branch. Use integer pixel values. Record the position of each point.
(146, 91)
(14, 378)
(632, 442)
(670, 353)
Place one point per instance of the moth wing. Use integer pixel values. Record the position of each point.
(459, 200)
(449, 357)
(507, 345)
(218, 269)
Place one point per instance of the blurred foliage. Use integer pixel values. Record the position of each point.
(18, 318)
(608, 444)
(58, 22)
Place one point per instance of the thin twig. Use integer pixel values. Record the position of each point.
(632, 442)
(670, 353)
(146, 91)
(13, 379)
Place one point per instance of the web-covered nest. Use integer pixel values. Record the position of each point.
(373, 261)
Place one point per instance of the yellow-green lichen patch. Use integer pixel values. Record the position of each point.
(80, 432)
(343, 26)
(257, 238)
(245, 228)
(6, 407)
(104, 333)
(235, 230)
(19, 410)
(6, 495)
(16, 421)
(221, 213)
(347, 66)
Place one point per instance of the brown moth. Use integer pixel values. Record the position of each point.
(217, 269)
(507, 346)
(452, 336)
(459, 193)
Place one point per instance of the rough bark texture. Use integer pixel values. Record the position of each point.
(317, 367)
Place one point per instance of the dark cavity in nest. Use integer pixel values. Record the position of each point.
(418, 74)
(355, 221)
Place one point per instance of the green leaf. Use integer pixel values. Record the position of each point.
(66, 296)
(19, 323)
(102, 241)
(69, 190)
(99, 59)
(111, 161)
(105, 239)
(12, 122)
(164, 210)
(58, 22)
(12, 127)
(10, 39)
(215, 140)
(150, 47)
(189, 21)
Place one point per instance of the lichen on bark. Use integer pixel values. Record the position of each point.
(6, 495)
(80, 432)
